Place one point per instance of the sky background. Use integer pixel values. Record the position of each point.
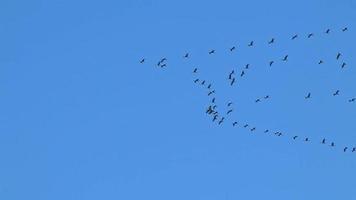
(81, 118)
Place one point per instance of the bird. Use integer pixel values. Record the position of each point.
(253, 129)
(212, 51)
(345, 149)
(209, 86)
(295, 36)
(338, 55)
(344, 29)
(251, 44)
(323, 141)
(246, 125)
(164, 65)
(232, 81)
(232, 48)
(211, 92)
(320, 62)
(196, 80)
(336, 92)
(310, 35)
(279, 134)
(343, 65)
(214, 106)
(271, 41)
(266, 97)
(234, 124)
(209, 110)
(271, 63)
(242, 73)
(332, 144)
(221, 120)
(247, 66)
(257, 100)
(308, 96)
(186, 55)
(231, 73)
(285, 58)
(266, 131)
(163, 59)
(195, 70)
(352, 100)
(229, 111)
(142, 61)
(215, 117)
(213, 100)
(229, 104)
(354, 149)
(203, 82)
(295, 137)
(327, 31)
(159, 63)
(306, 139)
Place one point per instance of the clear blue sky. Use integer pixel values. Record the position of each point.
(80, 118)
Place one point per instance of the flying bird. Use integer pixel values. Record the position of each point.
(308, 96)
(295, 37)
(242, 73)
(215, 118)
(142, 61)
(344, 29)
(222, 120)
(234, 124)
(232, 81)
(213, 100)
(310, 35)
(214, 107)
(271, 41)
(186, 55)
(212, 51)
(323, 141)
(251, 44)
(253, 129)
(336, 92)
(320, 62)
(232, 48)
(354, 149)
(246, 125)
(164, 65)
(327, 31)
(195, 70)
(266, 131)
(352, 100)
(257, 100)
(209, 86)
(196, 80)
(306, 139)
(345, 149)
(231, 73)
(230, 111)
(211, 92)
(285, 58)
(338, 56)
(229, 104)
(247, 66)
(266, 97)
(332, 144)
(295, 137)
(271, 63)
(203, 82)
(343, 65)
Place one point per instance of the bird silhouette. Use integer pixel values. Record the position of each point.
(295, 137)
(266, 97)
(310, 35)
(320, 62)
(285, 58)
(246, 125)
(229, 111)
(195, 70)
(196, 80)
(295, 37)
(327, 31)
(247, 66)
(266, 131)
(271, 63)
(229, 104)
(338, 55)
(232, 81)
(221, 120)
(332, 144)
(354, 149)
(232, 48)
(336, 92)
(211, 92)
(213, 100)
(345, 149)
(186, 55)
(215, 118)
(251, 44)
(231, 73)
(257, 100)
(352, 100)
(214, 106)
(306, 139)
(203, 82)
(323, 141)
(212, 51)
(242, 73)
(344, 29)
(279, 134)
(343, 65)
(142, 61)
(209, 86)
(253, 129)
(271, 41)
(308, 96)
(164, 65)
(234, 124)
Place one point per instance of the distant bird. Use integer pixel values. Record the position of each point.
(320, 62)
(266, 131)
(253, 129)
(242, 73)
(159, 63)
(352, 100)
(209, 86)
(232, 81)
(266, 97)
(247, 66)
(332, 144)
(231, 73)
(214, 107)
(196, 80)
(310, 35)
(213, 100)
(211, 92)
(229, 111)
(308, 96)
(285, 58)
(271, 41)
(279, 134)
(163, 59)
(203, 82)
(306, 139)
(195, 70)
(343, 65)
(354, 149)
(336, 92)
(345, 149)
(232, 48)
(271, 63)
(338, 56)
(323, 141)
(142, 61)
(164, 65)
(209, 110)
(246, 125)
(221, 120)
(295, 37)
(234, 124)
(327, 31)
(257, 100)
(344, 29)
(215, 118)
(295, 137)
(186, 55)
(212, 51)
(251, 44)
(229, 104)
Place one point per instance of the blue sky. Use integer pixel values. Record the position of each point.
(81, 118)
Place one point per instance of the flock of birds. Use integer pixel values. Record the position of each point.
(219, 117)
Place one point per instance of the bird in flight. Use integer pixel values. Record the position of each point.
(209, 86)
(221, 120)
(266, 131)
(323, 141)
(332, 144)
(327, 31)
(345, 149)
(343, 65)
(142, 61)
(164, 65)
(232, 81)
(247, 66)
(253, 129)
(230, 111)
(344, 29)
(354, 149)
(352, 100)
(231, 73)
(195, 70)
(234, 124)
(266, 97)
(271, 41)
(320, 62)
(295, 37)
(186, 55)
(295, 137)
(246, 125)
(338, 56)
(203, 82)
(215, 118)
(257, 100)
(196, 80)
(251, 44)
(212, 51)
(213, 100)
(285, 58)
(232, 48)
(271, 63)
(229, 104)
(212, 92)
(308, 96)
(242, 73)
(310, 35)
(306, 139)
(336, 92)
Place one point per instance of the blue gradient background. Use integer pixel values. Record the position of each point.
(80, 118)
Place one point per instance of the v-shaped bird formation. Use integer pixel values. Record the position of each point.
(223, 116)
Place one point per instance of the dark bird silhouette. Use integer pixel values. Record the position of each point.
(251, 44)
(196, 80)
(320, 62)
(338, 55)
(336, 92)
(211, 92)
(242, 73)
(232, 48)
(271, 41)
(271, 63)
(230, 111)
(345, 149)
(186, 55)
(234, 124)
(253, 129)
(266, 131)
(332, 144)
(247, 66)
(306, 139)
(229, 104)
(354, 149)
(231, 73)
(285, 58)
(343, 65)
(212, 51)
(295, 37)
(327, 31)
(246, 125)
(203, 82)
(195, 70)
(159, 63)
(209, 110)
(215, 118)
(352, 100)
(213, 100)
(232, 81)
(164, 65)
(209, 86)
(323, 141)
(257, 100)
(142, 61)
(279, 134)
(214, 107)
(295, 137)
(344, 29)
(308, 96)
(221, 120)
(310, 35)
(266, 97)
